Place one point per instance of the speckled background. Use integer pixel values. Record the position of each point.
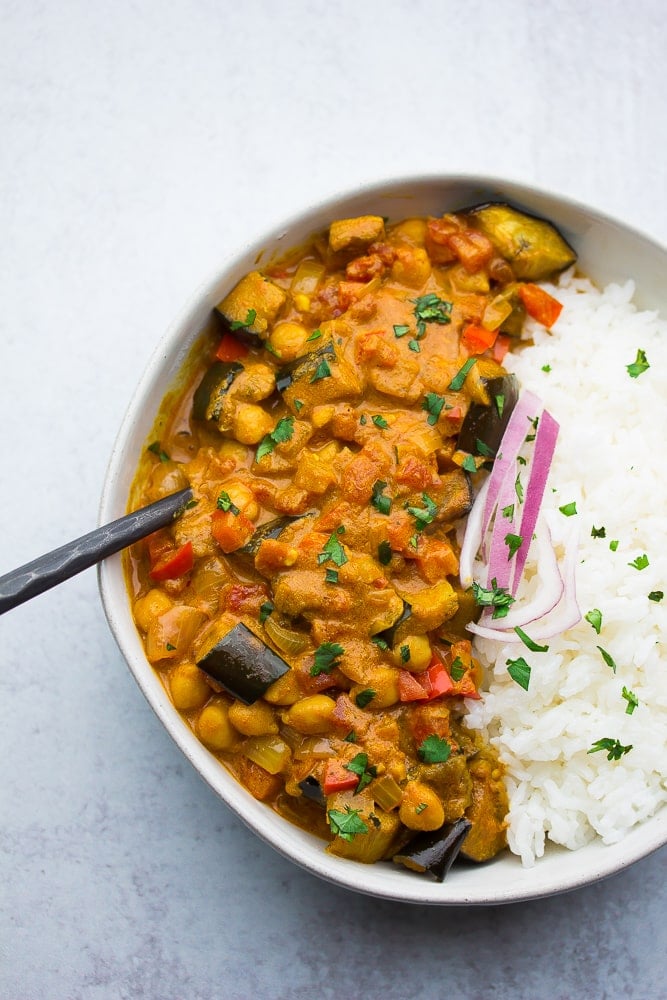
(140, 142)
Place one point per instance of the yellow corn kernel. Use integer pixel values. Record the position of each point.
(149, 608)
(213, 726)
(421, 809)
(188, 687)
(310, 715)
(302, 302)
(253, 720)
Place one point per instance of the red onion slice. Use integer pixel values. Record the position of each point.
(543, 453)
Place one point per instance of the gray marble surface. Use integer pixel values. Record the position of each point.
(140, 143)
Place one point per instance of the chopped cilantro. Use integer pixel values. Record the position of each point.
(594, 618)
(519, 671)
(632, 700)
(401, 330)
(322, 371)
(170, 648)
(363, 419)
(499, 400)
(508, 512)
(641, 562)
(414, 346)
(546, 368)
(434, 750)
(264, 611)
(423, 515)
(156, 449)
(609, 660)
(237, 324)
(598, 532)
(420, 808)
(331, 576)
(380, 422)
(518, 488)
(468, 464)
(496, 597)
(379, 500)
(224, 502)
(332, 551)
(298, 405)
(639, 365)
(315, 335)
(433, 403)
(530, 643)
(384, 553)
(569, 509)
(483, 449)
(326, 658)
(359, 765)
(364, 697)
(430, 309)
(351, 737)
(380, 643)
(613, 747)
(656, 595)
(457, 382)
(405, 653)
(346, 825)
(282, 432)
(457, 670)
(513, 543)
(613, 545)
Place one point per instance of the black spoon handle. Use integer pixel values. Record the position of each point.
(53, 568)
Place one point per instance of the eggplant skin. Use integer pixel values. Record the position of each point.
(533, 246)
(243, 664)
(214, 386)
(486, 423)
(433, 853)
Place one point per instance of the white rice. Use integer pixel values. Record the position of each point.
(610, 461)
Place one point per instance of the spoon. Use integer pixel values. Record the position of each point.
(53, 568)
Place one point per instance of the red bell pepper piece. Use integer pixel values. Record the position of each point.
(230, 349)
(478, 339)
(173, 564)
(539, 304)
(337, 778)
(501, 347)
(438, 679)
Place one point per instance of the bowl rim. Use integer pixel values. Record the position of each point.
(373, 880)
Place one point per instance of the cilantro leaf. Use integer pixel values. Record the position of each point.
(434, 750)
(332, 551)
(401, 330)
(569, 509)
(431, 309)
(326, 658)
(384, 553)
(494, 597)
(632, 700)
(346, 825)
(598, 532)
(519, 671)
(322, 371)
(282, 432)
(237, 324)
(378, 500)
(457, 382)
(264, 611)
(423, 515)
(608, 659)
(359, 765)
(380, 422)
(457, 669)
(613, 747)
(639, 365)
(594, 618)
(433, 404)
(224, 502)
(656, 595)
(530, 643)
(513, 543)
(156, 449)
(364, 697)
(641, 562)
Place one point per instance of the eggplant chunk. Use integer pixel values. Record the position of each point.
(486, 425)
(304, 368)
(434, 853)
(322, 376)
(243, 664)
(251, 307)
(534, 247)
(211, 391)
(312, 790)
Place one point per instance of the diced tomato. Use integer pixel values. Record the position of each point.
(230, 349)
(174, 563)
(478, 339)
(473, 249)
(231, 531)
(501, 347)
(246, 597)
(454, 414)
(539, 304)
(337, 778)
(466, 685)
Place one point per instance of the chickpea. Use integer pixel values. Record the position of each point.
(413, 653)
(421, 809)
(148, 608)
(188, 687)
(251, 423)
(384, 681)
(167, 477)
(311, 715)
(289, 340)
(284, 691)
(213, 726)
(253, 720)
(243, 497)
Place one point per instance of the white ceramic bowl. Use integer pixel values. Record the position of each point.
(608, 251)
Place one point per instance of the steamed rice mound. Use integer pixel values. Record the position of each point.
(609, 460)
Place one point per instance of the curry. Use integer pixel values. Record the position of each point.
(304, 611)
